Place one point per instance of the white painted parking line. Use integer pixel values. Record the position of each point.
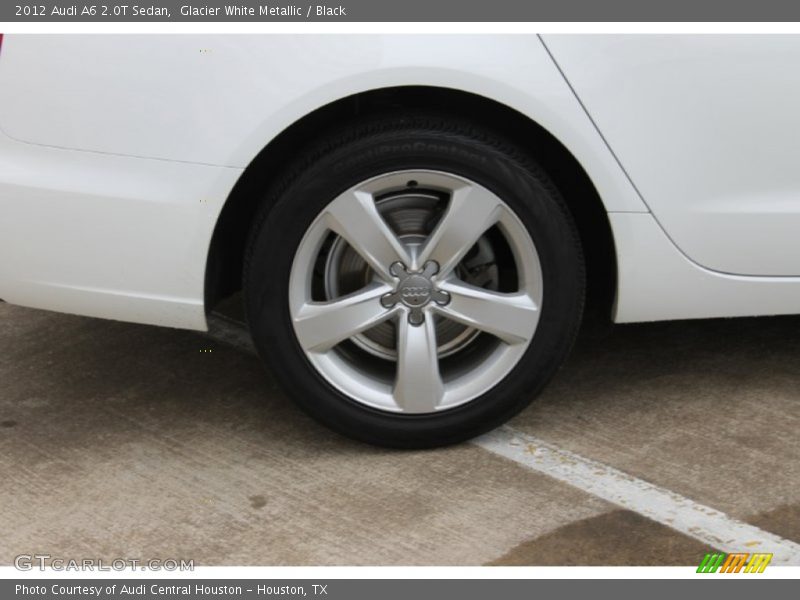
(703, 523)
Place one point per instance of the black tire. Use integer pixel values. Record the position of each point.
(390, 143)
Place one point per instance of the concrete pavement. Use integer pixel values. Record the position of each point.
(120, 440)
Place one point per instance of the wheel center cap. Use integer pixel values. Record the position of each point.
(414, 290)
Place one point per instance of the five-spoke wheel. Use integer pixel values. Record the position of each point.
(421, 243)
(413, 280)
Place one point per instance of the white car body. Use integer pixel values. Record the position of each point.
(118, 154)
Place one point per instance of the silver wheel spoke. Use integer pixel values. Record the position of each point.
(322, 325)
(471, 211)
(510, 317)
(355, 217)
(418, 387)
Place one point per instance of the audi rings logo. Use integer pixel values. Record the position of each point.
(416, 292)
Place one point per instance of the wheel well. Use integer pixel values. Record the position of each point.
(225, 260)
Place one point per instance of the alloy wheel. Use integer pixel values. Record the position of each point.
(415, 291)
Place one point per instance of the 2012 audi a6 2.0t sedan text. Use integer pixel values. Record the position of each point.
(417, 224)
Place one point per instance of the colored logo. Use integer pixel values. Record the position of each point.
(734, 563)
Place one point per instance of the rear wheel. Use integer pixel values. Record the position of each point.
(414, 281)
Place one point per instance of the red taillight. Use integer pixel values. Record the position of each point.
(1, 41)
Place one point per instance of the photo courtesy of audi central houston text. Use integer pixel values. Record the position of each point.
(413, 229)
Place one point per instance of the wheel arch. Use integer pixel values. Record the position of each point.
(226, 251)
